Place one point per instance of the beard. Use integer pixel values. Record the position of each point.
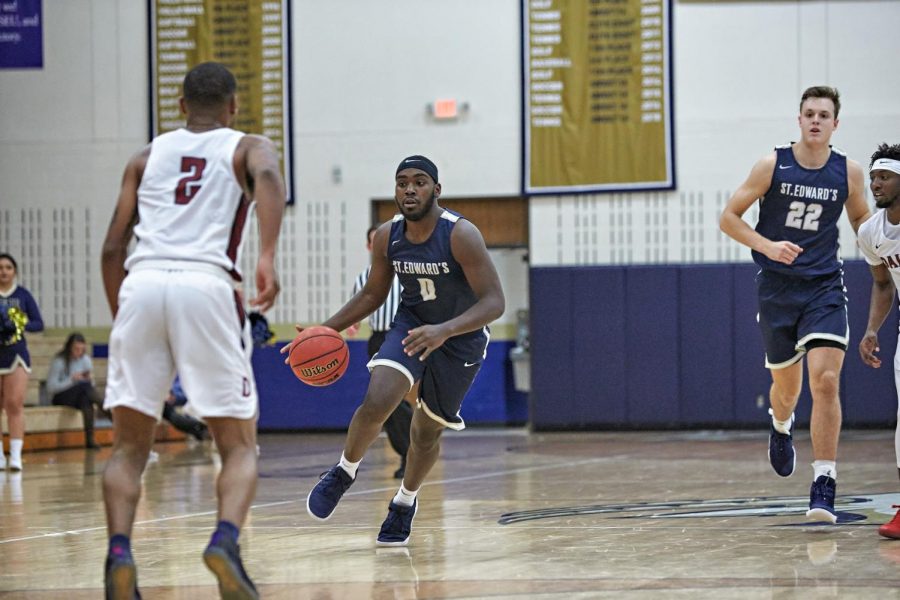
(885, 202)
(416, 214)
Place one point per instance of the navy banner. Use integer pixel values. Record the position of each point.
(21, 34)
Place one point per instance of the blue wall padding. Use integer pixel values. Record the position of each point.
(867, 394)
(705, 302)
(554, 342)
(601, 309)
(618, 346)
(676, 346)
(750, 380)
(288, 404)
(651, 345)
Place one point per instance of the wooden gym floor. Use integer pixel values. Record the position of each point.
(507, 514)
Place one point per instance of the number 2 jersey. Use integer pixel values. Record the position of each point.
(190, 204)
(435, 288)
(803, 206)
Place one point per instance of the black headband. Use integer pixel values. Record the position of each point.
(417, 161)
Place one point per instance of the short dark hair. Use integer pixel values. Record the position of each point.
(823, 91)
(209, 85)
(10, 259)
(885, 151)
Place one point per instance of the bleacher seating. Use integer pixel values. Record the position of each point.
(50, 427)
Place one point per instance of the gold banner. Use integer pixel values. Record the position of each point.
(597, 95)
(250, 38)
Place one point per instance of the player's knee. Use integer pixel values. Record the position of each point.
(826, 384)
(425, 438)
(13, 409)
(785, 395)
(378, 407)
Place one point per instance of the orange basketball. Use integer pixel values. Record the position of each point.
(319, 356)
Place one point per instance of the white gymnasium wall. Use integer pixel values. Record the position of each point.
(364, 71)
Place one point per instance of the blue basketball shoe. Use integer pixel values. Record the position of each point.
(398, 525)
(120, 577)
(324, 498)
(821, 500)
(781, 450)
(223, 558)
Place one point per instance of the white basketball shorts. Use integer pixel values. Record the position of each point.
(183, 318)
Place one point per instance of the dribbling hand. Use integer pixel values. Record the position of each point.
(286, 349)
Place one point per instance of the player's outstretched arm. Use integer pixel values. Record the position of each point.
(374, 292)
(470, 252)
(734, 226)
(125, 216)
(856, 206)
(268, 190)
(880, 304)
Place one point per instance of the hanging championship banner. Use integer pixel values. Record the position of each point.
(250, 38)
(597, 96)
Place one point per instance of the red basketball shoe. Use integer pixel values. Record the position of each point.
(892, 528)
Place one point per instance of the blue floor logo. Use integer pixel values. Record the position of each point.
(850, 509)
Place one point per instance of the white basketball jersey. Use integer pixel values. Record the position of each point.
(880, 243)
(190, 204)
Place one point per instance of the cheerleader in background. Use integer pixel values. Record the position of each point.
(18, 313)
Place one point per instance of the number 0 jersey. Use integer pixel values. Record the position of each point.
(190, 204)
(803, 206)
(435, 288)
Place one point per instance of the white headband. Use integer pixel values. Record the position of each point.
(888, 164)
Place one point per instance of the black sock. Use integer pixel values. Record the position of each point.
(119, 545)
(229, 529)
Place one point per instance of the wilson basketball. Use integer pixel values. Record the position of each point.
(319, 356)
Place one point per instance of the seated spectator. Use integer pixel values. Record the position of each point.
(180, 420)
(69, 383)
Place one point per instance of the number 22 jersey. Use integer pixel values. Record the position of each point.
(803, 206)
(190, 204)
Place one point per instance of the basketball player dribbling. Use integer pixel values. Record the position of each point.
(451, 291)
(186, 198)
(802, 188)
(879, 240)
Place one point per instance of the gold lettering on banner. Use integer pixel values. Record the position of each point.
(250, 38)
(597, 95)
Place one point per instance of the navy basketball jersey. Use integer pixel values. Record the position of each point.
(435, 288)
(803, 206)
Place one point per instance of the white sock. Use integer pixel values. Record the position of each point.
(782, 426)
(824, 467)
(15, 451)
(405, 497)
(3, 457)
(348, 466)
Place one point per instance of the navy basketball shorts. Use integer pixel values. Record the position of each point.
(797, 313)
(445, 376)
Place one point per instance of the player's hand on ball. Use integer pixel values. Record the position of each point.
(319, 356)
(286, 349)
